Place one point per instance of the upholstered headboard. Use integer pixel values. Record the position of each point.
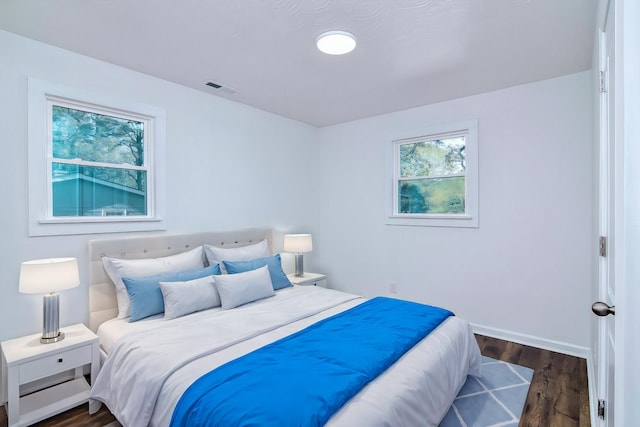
(102, 292)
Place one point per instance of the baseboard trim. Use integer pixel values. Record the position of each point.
(533, 341)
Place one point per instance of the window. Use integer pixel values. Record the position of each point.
(98, 161)
(95, 163)
(434, 179)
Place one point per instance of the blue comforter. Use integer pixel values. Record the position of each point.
(303, 379)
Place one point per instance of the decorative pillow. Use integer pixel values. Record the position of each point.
(181, 298)
(215, 254)
(118, 268)
(145, 294)
(242, 288)
(278, 277)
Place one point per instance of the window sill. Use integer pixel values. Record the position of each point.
(58, 227)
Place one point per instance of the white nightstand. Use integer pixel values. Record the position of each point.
(25, 360)
(309, 279)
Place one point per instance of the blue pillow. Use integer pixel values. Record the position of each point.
(279, 279)
(146, 296)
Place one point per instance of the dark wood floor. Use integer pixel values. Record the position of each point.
(558, 396)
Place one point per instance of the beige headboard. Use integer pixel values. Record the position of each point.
(102, 292)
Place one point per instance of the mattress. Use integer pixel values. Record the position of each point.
(416, 390)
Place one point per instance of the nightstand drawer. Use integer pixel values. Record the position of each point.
(54, 364)
(309, 279)
(322, 283)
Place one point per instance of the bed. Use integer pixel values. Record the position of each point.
(149, 364)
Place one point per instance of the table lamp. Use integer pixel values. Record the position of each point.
(48, 276)
(298, 243)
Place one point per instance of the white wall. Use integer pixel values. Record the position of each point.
(228, 166)
(527, 268)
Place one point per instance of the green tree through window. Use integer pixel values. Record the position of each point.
(432, 175)
(98, 163)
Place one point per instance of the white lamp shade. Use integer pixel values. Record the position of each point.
(48, 275)
(298, 243)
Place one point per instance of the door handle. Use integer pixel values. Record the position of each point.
(602, 309)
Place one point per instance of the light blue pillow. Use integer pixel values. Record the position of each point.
(278, 278)
(146, 296)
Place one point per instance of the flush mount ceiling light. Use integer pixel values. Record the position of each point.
(336, 42)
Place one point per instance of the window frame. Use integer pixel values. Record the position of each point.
(470, 217)
(41, 97)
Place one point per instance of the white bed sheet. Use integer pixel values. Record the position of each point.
(111, 330)
(417, 390)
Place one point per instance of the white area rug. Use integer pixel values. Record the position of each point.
(495, 399)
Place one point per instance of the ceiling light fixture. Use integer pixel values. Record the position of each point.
(336, 42)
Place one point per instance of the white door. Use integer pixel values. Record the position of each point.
(609, 157)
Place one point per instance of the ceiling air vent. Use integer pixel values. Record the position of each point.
(226, 89)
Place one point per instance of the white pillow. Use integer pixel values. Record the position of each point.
(215, 254)
(241, 288)
(118, 268)
(182, 298)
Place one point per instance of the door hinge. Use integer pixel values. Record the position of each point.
(601, 409)
(603, 246)
(603, 85)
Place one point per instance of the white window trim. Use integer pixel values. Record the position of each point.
(470, 218)
(41, 221)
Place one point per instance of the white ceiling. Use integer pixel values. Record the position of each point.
(409, 53)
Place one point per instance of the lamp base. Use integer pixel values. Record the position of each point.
(51, 340)
(299, 272)
(50, 309)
